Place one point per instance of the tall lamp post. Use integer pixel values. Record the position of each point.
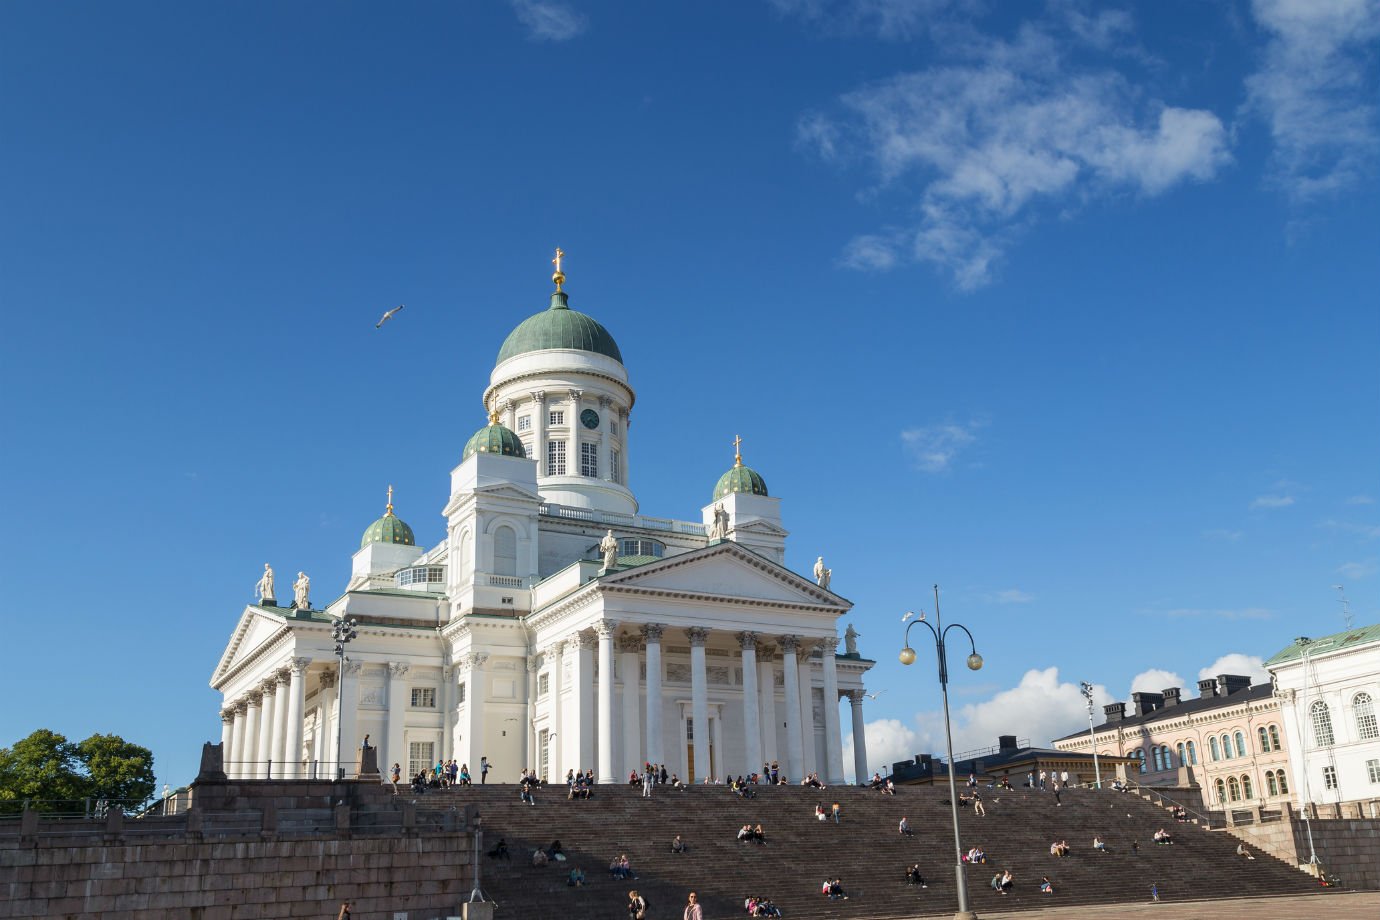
(343, 632)
(974, 662)
(1087, 691)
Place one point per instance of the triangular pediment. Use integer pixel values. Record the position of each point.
(505, 490)
(760, 526)
(256, 628)
(725, 570)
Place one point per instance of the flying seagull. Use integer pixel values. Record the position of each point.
(909, 614)
(389, 315)
(873, 696)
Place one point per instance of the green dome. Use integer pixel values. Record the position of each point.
(740, 479)
(494, 439)
(388, 529)
(559, 327)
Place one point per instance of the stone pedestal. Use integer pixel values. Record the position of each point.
(477, 910)
(212, 764)
(368, 763)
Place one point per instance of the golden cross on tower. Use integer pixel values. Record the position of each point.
(737, 451)
(559, 276)
(390, 500)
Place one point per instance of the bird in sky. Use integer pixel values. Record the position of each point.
(389, 315)
(909, 614)
(873, 696)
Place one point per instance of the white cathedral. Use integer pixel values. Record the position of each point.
(556, 627)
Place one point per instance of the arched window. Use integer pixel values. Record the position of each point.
(1270, 785)
(1226, 747)
(1221, 792)
(1240, 745)
(505, 551)
(1246, 788)
(1264, 740)
(1183, 761)
(1140, 756)
(1283, 783)
(1274, 737)
(1169, 758)
(466, 558)
(1234, 789)
(1212, 748)
(1159, 759)
(1366, 728)
(1322, 724)
(1193, 753)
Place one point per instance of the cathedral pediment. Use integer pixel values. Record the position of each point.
(725, 570)
(256, 629)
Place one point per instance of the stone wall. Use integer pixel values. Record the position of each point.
(1349, 848)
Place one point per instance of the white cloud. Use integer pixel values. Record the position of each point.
(547, 20)
(888, 741)
(892, 20)
(934, 448)
(1220, 533)
(869, 253)
(986, 146)
(1360, 500)
(1315, 89)
(1365, 531)
(1253, 666)
(1354, 570)
(1272, 501)
(1153, 681)
(1013, 596)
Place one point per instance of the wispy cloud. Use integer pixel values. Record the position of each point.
(1153, 681)
(1272, 501)
(1238, 613)
(890, 20)
(548, 20)
(1015, 133)
(1364, 531)
(1011, 596)
(1360, 500)
(1221, 533)
(934, 448)
(1363, 569)
(1315, 89)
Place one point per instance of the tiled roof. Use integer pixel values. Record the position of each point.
(1326, 644)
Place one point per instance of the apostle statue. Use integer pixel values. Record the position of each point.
(718, 525)
(609, 547)
(822, 575)
(301, 588)
(850, 640)
(265, 586)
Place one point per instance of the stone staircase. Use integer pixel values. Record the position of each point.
(865, 850)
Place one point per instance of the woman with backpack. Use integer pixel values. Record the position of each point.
(637, 906)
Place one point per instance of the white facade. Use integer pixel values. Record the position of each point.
(510, 640)
(1329, 690)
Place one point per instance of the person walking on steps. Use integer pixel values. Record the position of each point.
(483, 770)
(692, 909)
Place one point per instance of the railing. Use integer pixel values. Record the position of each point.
(668, 525)
(505, 581)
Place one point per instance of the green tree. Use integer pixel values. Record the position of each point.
(117, 769)
(47, 768)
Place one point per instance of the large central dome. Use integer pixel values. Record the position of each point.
(559, 327)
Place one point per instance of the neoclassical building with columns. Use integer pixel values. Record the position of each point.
(556, 626)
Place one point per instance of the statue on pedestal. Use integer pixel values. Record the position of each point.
(609, 547)
(718, 524)
(265, 586)
(850, 640)
(301, 589)
(822, 575)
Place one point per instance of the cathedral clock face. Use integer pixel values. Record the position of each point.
(590, 419)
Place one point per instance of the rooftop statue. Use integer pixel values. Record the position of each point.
(609, 547)
(265, 585)
(301, 589)
(850, 640)
(822, 575)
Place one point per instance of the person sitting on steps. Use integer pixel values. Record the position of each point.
(576, 879)
(677, 845)
(500, 850)
(1045, 886)
(913, 876)
(904, 827)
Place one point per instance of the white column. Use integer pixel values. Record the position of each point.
(752, 729)
(347, 720)
(580, 725)
(250, 768)
(280, 727)
(795, 771)
(556, 738)
(447, 712)
(807, 709)
(235, 768)
(392, 750)
(325, 747)
(833, 737)
(296, 708)
(539, 440)
(766, 692)
(530, 755)
(629, 670)
(652, 633)
(855, 698)
(626, 471)
(263, 748)
(605, 629)
(604, 438)
(509, 422)
(475, 701)
(699, 700)
(718, 766)
(227, 738)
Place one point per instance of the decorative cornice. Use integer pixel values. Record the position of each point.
(398, 669)
(697, 635)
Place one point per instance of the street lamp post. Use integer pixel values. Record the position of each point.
(974, 662)
(1087, 690)
(343, 632)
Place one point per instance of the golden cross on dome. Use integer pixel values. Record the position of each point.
(737, 451)
(559, 276)
(390, 500)
(493, 416)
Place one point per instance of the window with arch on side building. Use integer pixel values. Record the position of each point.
(1212, 749)
(1264, 740)
(1247, 792)
(1240, 744)
(1234, 789)
(1221, 792)
(1364, 710)
(1192, 753)
(1226, 747)
(1322, 723)
(1271, 787)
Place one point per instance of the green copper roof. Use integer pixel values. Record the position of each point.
(1327, 644)
(494, 439)
(388, 529)
(740, 479)
(559, 327)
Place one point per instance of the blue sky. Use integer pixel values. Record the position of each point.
(1068, 307)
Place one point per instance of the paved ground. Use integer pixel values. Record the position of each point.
(1363, 905)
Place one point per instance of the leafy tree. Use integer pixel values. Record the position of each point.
(46, 767)
(116, 768)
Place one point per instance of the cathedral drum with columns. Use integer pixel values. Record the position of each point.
(556, 626)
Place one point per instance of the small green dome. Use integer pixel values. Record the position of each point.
(494, 439)
(740, 479)
(559, 327)
(388, 529)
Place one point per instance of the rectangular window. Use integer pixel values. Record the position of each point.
(544, 752)
(555, 458)
(613, 428)
(556, 417)
(543, 684)
(1373, 770)
(524, 423)
(1330, 777)
(460, 698)
(420, 756)
(423, 697)
(589, 459)
(614, 465)
(527, 449)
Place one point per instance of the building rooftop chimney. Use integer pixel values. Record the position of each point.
(1171, 697)
(1115, 712)
(1147, 703)
(1233, 683)
(1006, 742)
(1207, 688)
